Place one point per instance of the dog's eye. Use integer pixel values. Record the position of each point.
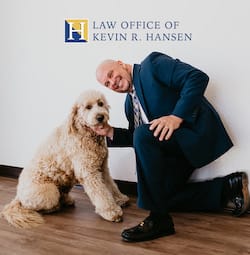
(100, 103)
(88, 107)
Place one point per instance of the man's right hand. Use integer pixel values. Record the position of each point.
(104, 130)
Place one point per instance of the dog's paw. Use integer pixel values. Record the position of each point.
(67, 200)
(113, 214)
(122, 200)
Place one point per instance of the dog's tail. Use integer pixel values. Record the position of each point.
(20, 217)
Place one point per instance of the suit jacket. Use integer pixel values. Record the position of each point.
(168, 86)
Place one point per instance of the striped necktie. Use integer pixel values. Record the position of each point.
(137, 113)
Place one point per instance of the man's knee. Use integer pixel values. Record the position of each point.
(142, 135)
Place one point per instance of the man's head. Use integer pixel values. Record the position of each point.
(115, 75)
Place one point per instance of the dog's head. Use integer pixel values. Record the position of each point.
(91, 109)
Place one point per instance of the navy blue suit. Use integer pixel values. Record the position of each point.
(167, 86)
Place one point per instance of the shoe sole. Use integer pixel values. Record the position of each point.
(245, 192)
(246, 197)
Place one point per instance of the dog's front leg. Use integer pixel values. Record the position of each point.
(120, 199)
(101, 197)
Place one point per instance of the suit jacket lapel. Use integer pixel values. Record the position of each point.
(139, 89)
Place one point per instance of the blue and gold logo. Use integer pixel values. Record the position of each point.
(76, 30)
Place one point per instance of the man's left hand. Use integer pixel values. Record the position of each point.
(165, 126)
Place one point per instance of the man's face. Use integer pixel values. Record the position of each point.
(115, 75)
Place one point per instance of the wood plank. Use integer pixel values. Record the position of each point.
(79, 230)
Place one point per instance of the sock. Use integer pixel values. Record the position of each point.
(159, 216)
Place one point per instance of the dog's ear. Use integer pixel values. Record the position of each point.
(107, 106)
(72, 120)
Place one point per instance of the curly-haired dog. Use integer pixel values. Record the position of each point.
(72, 154)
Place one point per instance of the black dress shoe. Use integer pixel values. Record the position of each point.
(149, 229)
(238, 194)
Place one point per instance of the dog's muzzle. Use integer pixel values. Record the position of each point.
(100, 118)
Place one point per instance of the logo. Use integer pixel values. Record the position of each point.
(76, 30)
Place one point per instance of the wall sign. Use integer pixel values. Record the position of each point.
(83, 31)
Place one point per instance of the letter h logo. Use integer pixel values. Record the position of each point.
(76, 30)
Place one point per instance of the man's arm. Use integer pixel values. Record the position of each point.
(116, 137)
(185, 79)
(188, 81)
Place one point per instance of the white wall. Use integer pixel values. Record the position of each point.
(41, 75)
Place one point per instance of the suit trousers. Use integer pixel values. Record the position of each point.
(163, 174)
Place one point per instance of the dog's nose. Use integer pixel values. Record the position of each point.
(100, 118)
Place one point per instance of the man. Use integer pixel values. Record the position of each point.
(174, 130)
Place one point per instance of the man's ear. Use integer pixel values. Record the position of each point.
(123, 65)
(72, 120)
(119, 62)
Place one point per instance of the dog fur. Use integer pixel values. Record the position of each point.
(72, 154)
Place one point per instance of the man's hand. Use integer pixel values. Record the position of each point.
(104, 130)
(165, 126)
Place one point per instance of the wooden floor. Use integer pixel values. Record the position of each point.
(80, 231)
